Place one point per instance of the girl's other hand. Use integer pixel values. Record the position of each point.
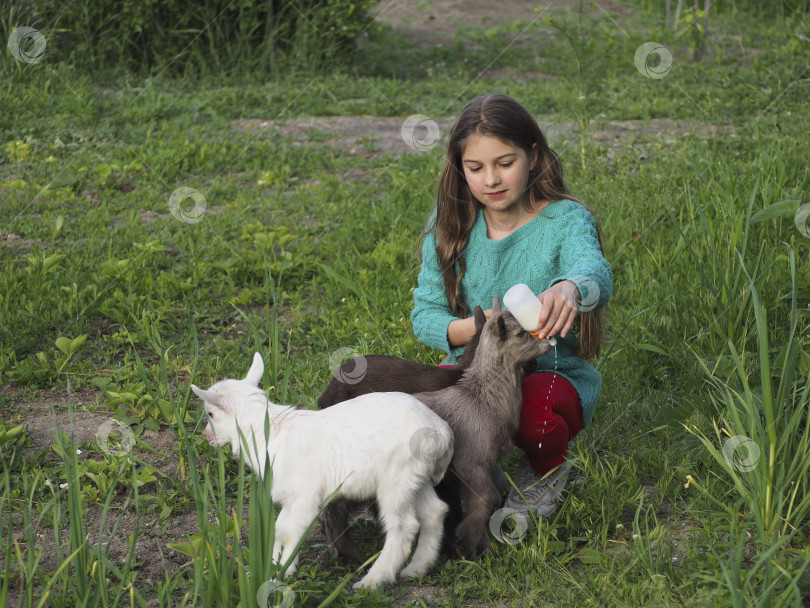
(559, 309)
(461, 331)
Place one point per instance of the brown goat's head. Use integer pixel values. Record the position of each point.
(504, 337)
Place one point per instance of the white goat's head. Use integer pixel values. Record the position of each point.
(226, 400)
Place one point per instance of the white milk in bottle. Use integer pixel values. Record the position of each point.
(524, 305)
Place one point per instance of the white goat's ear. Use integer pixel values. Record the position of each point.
(254, 375)
(496, 304)
(209, 397)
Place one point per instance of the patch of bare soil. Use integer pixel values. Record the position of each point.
(44, 411)
(369, 136)
(420, 592)
(436, 22)
(23, 404)
(373, 136)
(17, 244)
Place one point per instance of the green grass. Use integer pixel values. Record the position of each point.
(307, 249)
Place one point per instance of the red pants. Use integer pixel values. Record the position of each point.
(550, 417)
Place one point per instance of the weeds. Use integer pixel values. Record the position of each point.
(766, 454)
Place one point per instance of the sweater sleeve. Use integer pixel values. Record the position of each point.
(431, 314)
(582, 262)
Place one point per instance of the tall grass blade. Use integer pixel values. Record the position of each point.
(774, 427)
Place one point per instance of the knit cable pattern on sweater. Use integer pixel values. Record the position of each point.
(559, 244)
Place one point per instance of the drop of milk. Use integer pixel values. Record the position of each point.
(552, 341)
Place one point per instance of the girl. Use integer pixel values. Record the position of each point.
(505, 216)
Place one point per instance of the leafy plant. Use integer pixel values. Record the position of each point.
(9, 436)
(68, 348)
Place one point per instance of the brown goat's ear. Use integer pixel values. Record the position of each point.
(496, 304)
(480, 318)
(501, 327)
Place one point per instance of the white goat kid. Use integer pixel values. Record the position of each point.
(387, 446)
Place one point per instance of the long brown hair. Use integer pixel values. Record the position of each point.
(456, 208)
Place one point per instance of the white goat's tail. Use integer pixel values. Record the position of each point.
(444, 456)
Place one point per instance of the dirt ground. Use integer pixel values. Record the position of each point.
(372, 136)
(436, 22)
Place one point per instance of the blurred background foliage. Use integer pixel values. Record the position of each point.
(184, 37)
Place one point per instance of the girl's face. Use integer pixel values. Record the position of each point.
(496, 171)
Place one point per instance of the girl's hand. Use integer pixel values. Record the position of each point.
(461, 331)
(559, 309)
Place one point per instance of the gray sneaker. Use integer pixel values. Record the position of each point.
(500, 480)
(540, 494)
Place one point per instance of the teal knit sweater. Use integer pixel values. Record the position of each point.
(559, 244)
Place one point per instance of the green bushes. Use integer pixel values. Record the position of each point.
(186, 37)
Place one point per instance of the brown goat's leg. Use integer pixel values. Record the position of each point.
(480, 498)
(447, 491)
(335, 523)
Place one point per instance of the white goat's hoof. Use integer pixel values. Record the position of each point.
(410, 572)
(367, 583)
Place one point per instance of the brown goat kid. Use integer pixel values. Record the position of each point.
(483, 409)
(384, 373)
